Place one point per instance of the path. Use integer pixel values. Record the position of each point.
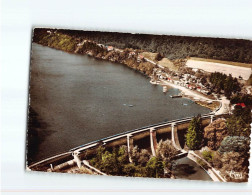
(224, 108)
(213, 173)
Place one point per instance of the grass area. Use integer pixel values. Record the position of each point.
(167, 63)
(149, 55)
(213, 106)
(222, 62)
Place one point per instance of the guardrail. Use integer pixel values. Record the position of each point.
(178, 121)
(119, 135)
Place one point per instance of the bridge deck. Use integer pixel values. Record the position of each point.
(125, 134)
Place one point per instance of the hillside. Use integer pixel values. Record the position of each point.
(172, 47)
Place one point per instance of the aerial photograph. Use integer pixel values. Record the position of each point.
(139, 105)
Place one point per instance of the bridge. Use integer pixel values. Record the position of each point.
(127, 138)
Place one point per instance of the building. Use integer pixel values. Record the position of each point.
(110, 48)
(241, 104)
(140, 58)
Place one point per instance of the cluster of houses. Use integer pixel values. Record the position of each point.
(186, 80)
(140, 58)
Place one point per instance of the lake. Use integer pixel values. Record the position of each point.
(76, 99)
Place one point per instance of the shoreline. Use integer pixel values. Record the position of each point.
(195, 97)
(133, 59)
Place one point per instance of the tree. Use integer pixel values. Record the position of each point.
(144, 157)
(96, 160)
(250, 80)
(140, 157)
(214, 133)
(228, 86)
(239, 123)
(159, 57)
(241, 98)
(208, 155)
(109, 163)
(221, 81)
(122, 155)
(235, 144)
(166, 150)
(129, 169)
(194, 136)
(155, 167)
(203, 80)
(233, 157)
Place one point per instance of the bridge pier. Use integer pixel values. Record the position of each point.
(212, 117)
(172, 132)
(153, 141)
(175, 137)
(138, 134)
(130, 146)
(77, 159)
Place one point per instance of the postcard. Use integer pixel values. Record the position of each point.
(139, 105)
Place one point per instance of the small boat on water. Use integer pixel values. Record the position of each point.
(176, 96)
(153, 82)
(165, 89)
(129, 105)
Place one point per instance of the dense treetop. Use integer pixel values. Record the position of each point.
(172, 47)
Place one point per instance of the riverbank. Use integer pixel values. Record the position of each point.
(129, 57)
(212, 104)
(133, 58)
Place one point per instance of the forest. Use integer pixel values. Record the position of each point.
(172, 47)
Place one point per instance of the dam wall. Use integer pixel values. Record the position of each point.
(127, 138)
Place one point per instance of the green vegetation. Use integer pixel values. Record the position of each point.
(173, 47)
(242, 98)
(202, 164)
(239, 123)
(57, 40)
(221, 81)
(235, 144)
(143, 165)
(111, 162)
(166, 150)
(214, 133)
(90, 46)
(208, 155)
(140, 157)
(155, 167)
(232, 158)
(250, 80)
(194, 136)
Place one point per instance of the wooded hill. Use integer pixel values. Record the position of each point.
(172, 47)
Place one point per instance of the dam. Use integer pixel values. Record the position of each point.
(80, 154)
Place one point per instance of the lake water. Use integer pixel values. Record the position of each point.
(78, 99)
